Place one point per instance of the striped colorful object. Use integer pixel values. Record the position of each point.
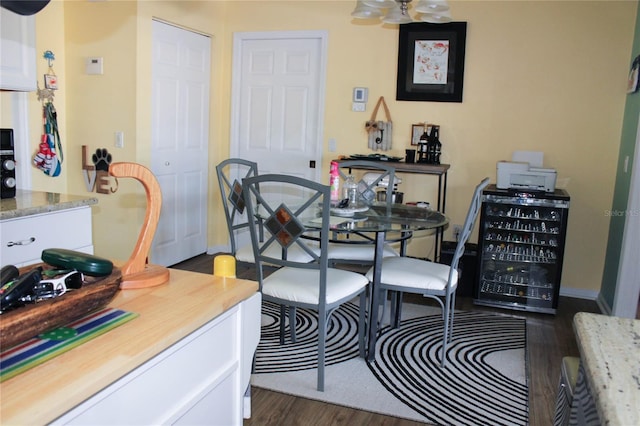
(46, 346)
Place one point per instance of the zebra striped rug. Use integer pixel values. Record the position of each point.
(484, 382)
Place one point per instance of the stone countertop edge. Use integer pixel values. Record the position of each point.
(27, 203)
(610, 353)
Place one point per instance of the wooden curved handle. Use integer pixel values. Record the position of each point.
(137, 263)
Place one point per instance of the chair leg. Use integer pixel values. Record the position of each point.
(322, 337)
(393, 308)
(447, 335)
(292, 323)
(396, 309)
(361, 323)
(452, 309)
(383, 302)
(283, 315)
(445, 340)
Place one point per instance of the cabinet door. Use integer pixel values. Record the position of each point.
(196, 381)
(17, 51)
(24, 238)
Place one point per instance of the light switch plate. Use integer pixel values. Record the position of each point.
(358, 107)
(332, 145)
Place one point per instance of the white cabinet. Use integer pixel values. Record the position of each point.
(24, 238)
(200, 380)
(17, 51)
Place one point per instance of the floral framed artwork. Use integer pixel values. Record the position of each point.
(431, 62)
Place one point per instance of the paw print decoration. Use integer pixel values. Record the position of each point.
(101, 159)
(97, 176)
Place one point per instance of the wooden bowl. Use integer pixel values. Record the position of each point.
(22, 323)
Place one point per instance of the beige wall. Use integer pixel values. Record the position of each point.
(547, 76)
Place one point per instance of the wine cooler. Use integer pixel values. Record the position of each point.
(520, 249)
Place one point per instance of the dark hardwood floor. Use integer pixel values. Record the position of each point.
(550, 337)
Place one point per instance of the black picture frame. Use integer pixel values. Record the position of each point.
(427, 43)
(417, 130)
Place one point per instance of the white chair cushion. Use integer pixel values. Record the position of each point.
(416, 273)
(361, 252)
(302, 285)
(245, 254)
(295, 253)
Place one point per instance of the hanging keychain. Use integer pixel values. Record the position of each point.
(47, 159)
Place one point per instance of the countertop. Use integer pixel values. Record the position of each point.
(610, 353)
(27, 203)
(167, 313)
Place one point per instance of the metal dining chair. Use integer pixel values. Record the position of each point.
(430, 279)
(360, 249)
(303, 208)
(230, 173)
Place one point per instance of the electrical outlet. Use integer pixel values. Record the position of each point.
(457, 230)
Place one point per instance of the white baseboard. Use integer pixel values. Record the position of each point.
(579, 293)
(596, 296)
(603, 305)
(218, 249)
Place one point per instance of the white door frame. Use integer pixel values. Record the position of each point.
(625, 302)
(20, 125)
(238, 38)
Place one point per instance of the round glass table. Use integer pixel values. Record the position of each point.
(383, 223)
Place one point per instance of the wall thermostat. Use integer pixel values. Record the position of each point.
(93, 66)
(360, 94)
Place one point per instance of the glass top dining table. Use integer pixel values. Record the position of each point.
(386, 223)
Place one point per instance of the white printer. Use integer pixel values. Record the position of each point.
(521, 175)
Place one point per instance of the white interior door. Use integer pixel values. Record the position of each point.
(278, 101)
(180, 138)
(277, 111)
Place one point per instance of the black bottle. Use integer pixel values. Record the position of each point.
(434, 147)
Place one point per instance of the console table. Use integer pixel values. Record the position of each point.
(439, 170)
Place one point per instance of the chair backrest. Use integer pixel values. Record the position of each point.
(467, 228)
(230, 173)
(367, 190)
(303, 212)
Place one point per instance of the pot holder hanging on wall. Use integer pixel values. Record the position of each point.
(47, 159)
(380, 132)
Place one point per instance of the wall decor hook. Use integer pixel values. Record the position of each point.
(50, 57)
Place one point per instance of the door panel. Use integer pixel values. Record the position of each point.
(278, 101)
(180, 131)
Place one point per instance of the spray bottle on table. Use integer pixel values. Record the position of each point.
(334, 181)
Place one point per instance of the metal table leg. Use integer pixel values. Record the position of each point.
(375, 297)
